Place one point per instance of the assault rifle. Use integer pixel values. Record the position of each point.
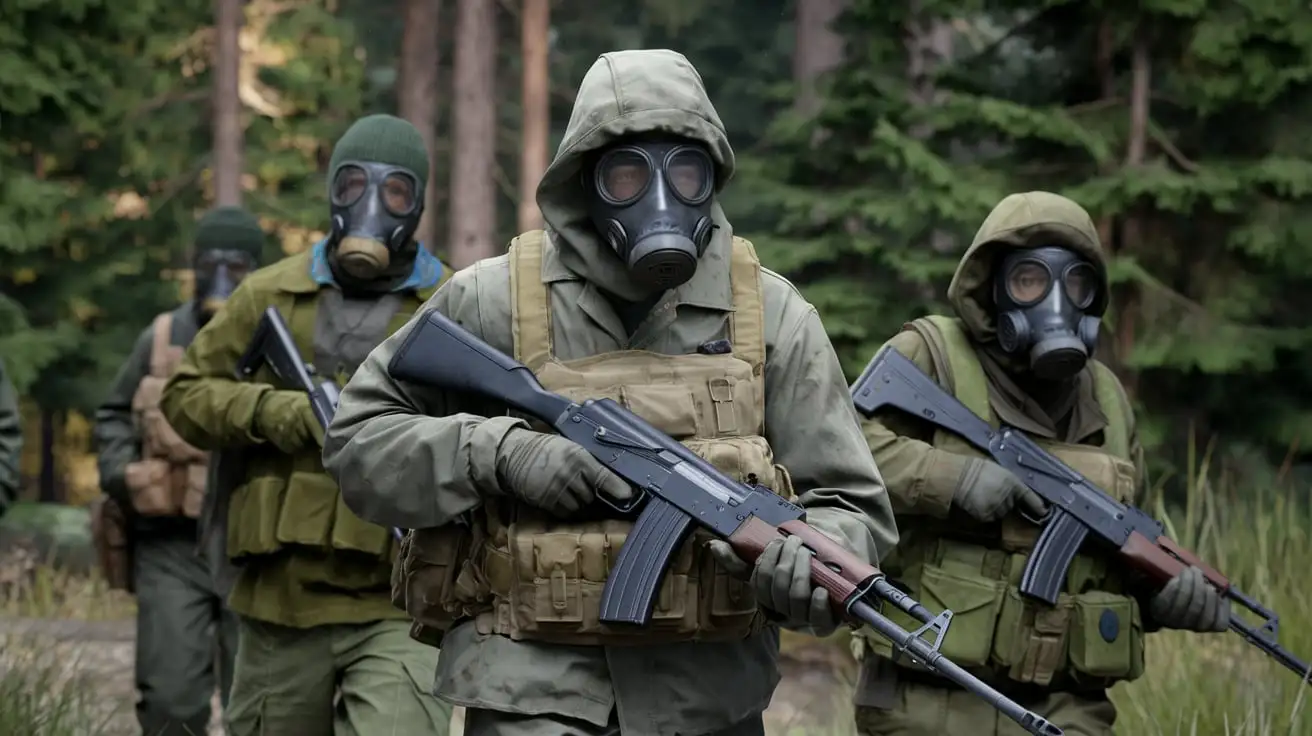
(272, 345)
(676, 488)
(1076, 508)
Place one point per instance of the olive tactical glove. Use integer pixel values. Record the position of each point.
(553, 473)
(287, 421)
(987, 491)
(1189, 602)
(782, 582)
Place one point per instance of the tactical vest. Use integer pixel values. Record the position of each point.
(1093, 637)
(522, 573)
(169, 480)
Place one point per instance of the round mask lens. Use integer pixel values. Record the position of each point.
(349, 185)
(622, 176)
(1028, 282)
(1080, 282)
(689, 173)
(398, 194)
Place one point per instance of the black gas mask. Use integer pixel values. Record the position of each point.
(1043, 296)
(376, 209)
(651, 201)
(217, 273)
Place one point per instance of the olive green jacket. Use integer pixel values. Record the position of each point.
(421, 458)
(304, 559)
(11, 441)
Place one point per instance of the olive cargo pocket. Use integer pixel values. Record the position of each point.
(308, 507)
(1030, 639)
(426, 576)
(1106, 635)
(253, 517)
(974, 601)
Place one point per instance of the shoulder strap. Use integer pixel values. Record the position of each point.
(956, 361)
(530, 303)
(747, 322)
(160, 344)
(1115, 406)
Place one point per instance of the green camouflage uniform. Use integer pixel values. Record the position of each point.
(321, 649)
(422, 458)
(1054, 661)
(11, 441)
(184, 631)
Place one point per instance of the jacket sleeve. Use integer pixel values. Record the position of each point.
(814, 432)
(116, 435)
(411, 456)
(204, 402)
(921, 479)
(11, 442)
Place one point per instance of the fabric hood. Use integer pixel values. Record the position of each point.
(1026, 220)
(626, 93)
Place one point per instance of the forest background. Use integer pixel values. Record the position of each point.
(873, 138)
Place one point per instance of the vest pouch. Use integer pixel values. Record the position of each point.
(150, 485)
(109, 535)
(745, 459)
(975, 602)
(427, 577)
(157, 436)
(1031, 636)
(253, 517)
(193, 493)
(1106, 636)
(353, 534)
(667, 406)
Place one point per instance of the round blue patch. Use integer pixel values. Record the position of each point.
(1109, 625)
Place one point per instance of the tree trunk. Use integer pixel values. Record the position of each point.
(227, 163)
(416, 97)
(536, 114)
(817, 48)
(48, 488)
(473, 160)
(1132, 227)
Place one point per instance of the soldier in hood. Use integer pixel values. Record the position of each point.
(637, 290)
(322, 650)
(154, 482)
(1029, 297)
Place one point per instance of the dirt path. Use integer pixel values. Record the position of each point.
(99, 655)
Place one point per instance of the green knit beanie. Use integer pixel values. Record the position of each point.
(383, 139)
(230, 228)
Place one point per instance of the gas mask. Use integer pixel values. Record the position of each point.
(1042, 296)
(376, 209)
(217, 272)
(651, 201)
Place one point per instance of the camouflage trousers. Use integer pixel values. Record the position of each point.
(335, 680)
(889, 703)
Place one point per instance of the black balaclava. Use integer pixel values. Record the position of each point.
(1043, 296)
(229, 243)
(650, 199)
(376, 183)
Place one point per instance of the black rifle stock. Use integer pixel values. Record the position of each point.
(675, 489)
(272, 345)
(1077, 508)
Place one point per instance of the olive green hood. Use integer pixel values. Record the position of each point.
(1028, 220)
(627, 93)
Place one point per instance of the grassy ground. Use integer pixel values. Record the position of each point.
(1196, 685)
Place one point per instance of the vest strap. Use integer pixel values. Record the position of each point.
(530, 303)
(161, 361)
(747, 321)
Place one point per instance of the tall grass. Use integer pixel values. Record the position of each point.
(43, 692)
(1217, 683)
